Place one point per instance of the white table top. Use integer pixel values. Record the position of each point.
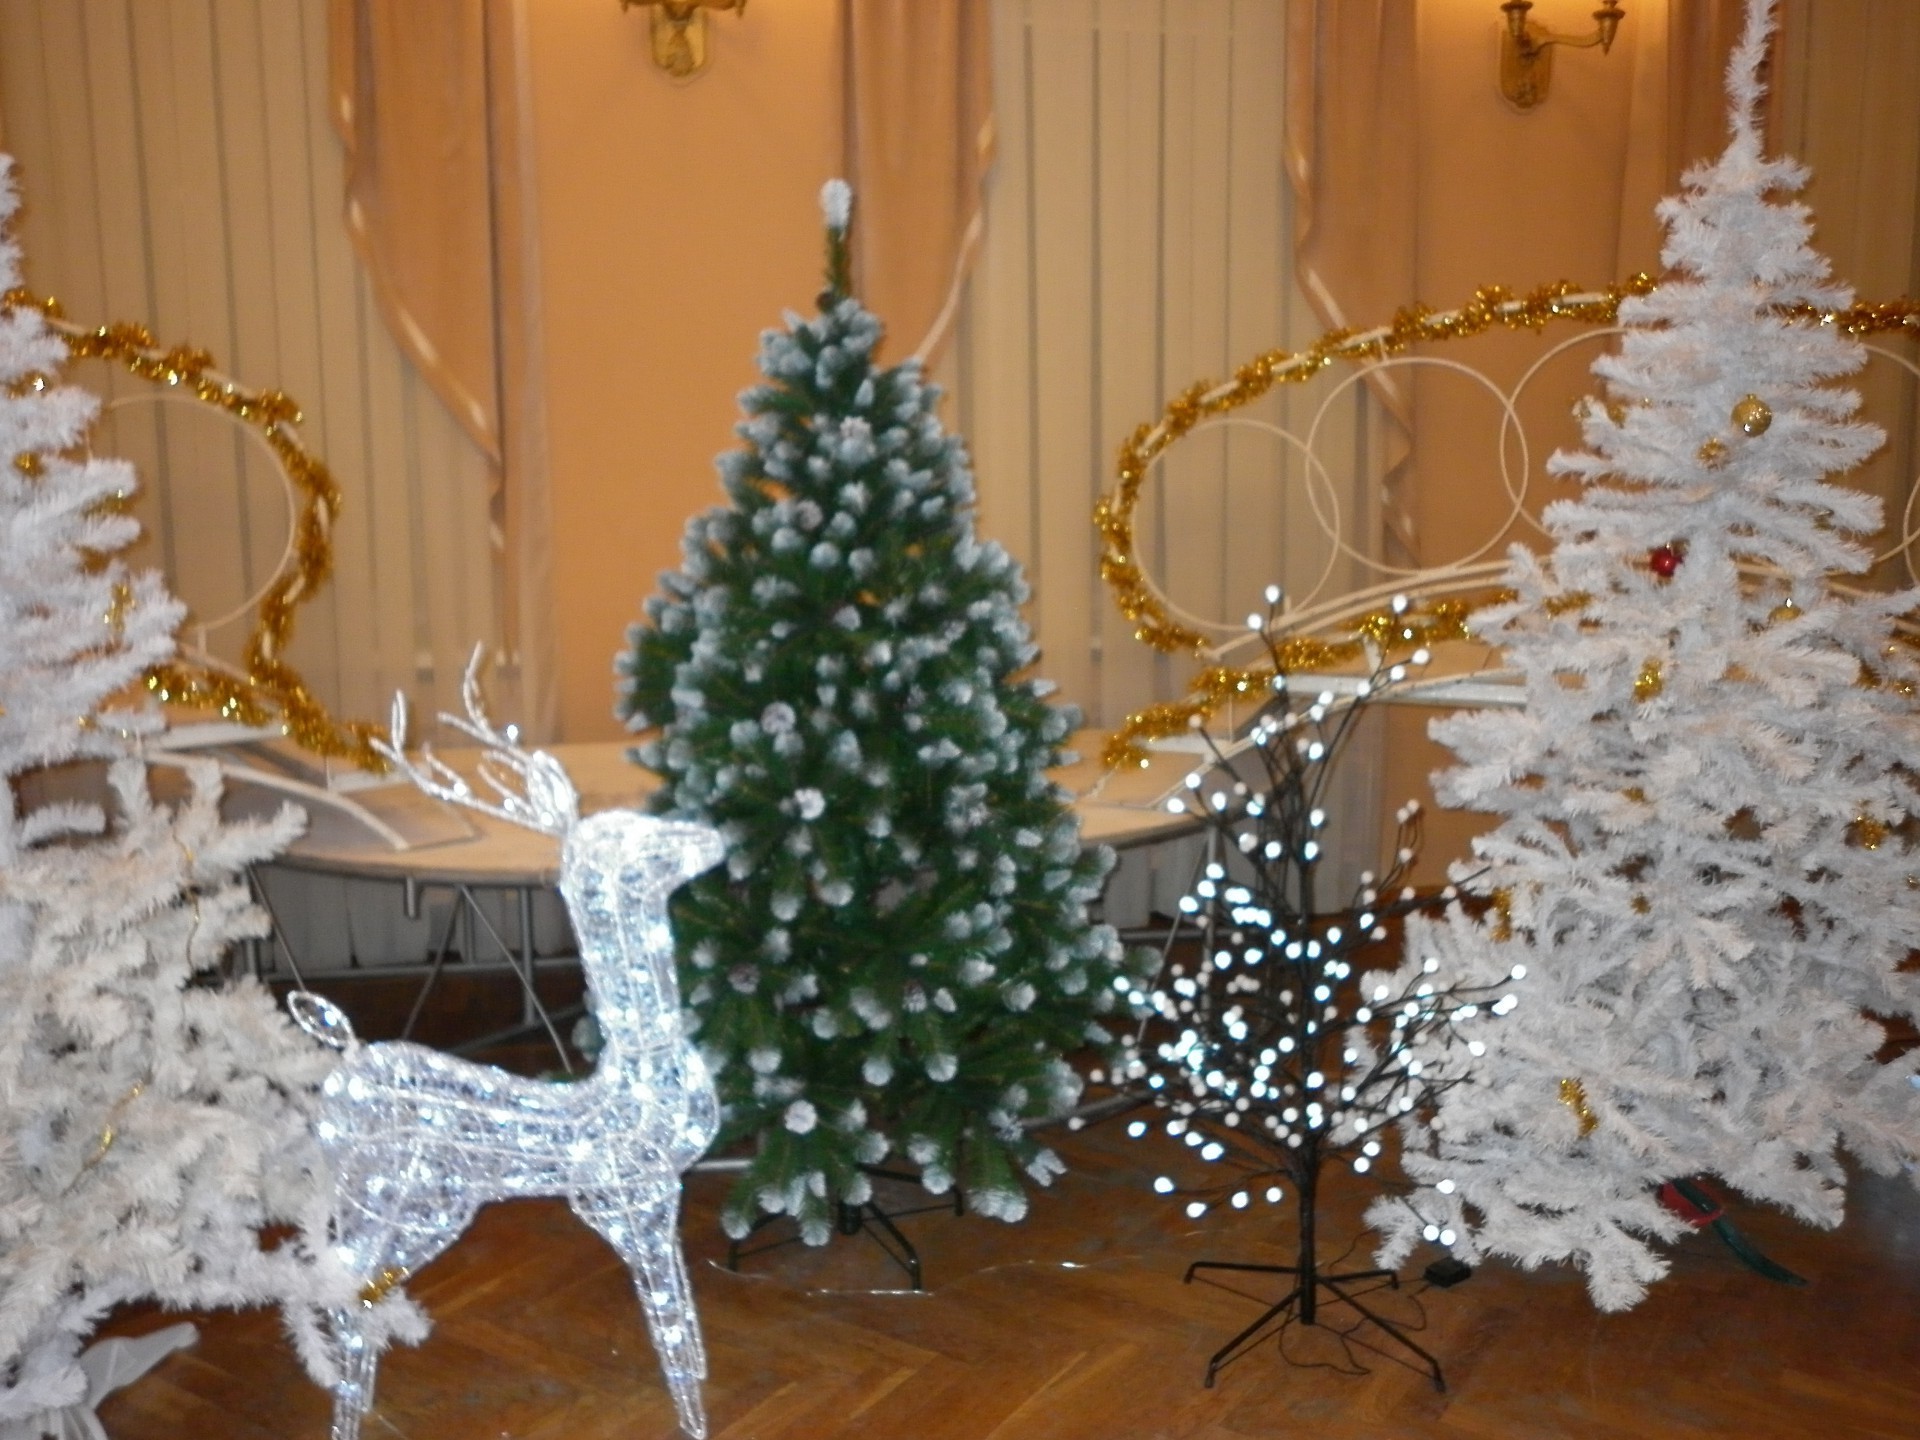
(481, 851)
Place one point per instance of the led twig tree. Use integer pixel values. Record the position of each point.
(1269, 1055)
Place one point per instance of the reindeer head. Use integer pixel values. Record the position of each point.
(642, 855)
(617, 868)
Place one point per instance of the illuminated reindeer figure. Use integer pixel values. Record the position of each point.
(419, 1140)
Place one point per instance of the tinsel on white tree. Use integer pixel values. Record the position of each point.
(1702, 866)
(152, 1117)
(897, 955)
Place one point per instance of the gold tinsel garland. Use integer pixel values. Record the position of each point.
(1387, 631)
(271, 691)
(1573, 1095)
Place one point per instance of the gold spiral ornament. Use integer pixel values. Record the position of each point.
(1492, 307)
(270, 692)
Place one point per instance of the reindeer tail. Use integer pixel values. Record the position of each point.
(322, 1019)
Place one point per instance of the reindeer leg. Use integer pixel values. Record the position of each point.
(683, 1286)
(359, 1361)
(647, 1235)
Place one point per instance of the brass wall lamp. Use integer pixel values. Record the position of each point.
(1526, 50)
(679, 31)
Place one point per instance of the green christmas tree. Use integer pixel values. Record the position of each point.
(897, 955)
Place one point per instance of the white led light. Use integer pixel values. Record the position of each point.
(1196, 1208)
(1361, 1164)
(1163, 1185)
(1431, 1232)
(1445, 1187)
(1240, 1199)
(1137, 1129)
(1273, 1194)
(1519, 972)
(1447, 1237)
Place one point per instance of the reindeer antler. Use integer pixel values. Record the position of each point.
(532, 786)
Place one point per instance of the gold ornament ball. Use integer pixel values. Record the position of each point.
(1752, 415)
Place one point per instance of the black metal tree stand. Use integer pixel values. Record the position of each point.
(1302, 1303)
(865, 1217)
(1264, 1049)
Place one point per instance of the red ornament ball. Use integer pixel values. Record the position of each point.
(1664, 560)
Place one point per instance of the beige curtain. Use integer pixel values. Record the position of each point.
(919, 122)
(1350, 155)
(1847, 105)
(410, 103)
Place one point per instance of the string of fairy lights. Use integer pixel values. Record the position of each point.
(1422, 624)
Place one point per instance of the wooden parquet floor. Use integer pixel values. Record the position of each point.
(1074, 1325)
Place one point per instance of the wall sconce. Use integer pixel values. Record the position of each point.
(679, 31)
(1526, 50)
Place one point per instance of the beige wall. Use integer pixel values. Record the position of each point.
(675, 221)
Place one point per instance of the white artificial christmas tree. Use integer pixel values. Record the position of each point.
(1701, 883)
(152, 1124)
